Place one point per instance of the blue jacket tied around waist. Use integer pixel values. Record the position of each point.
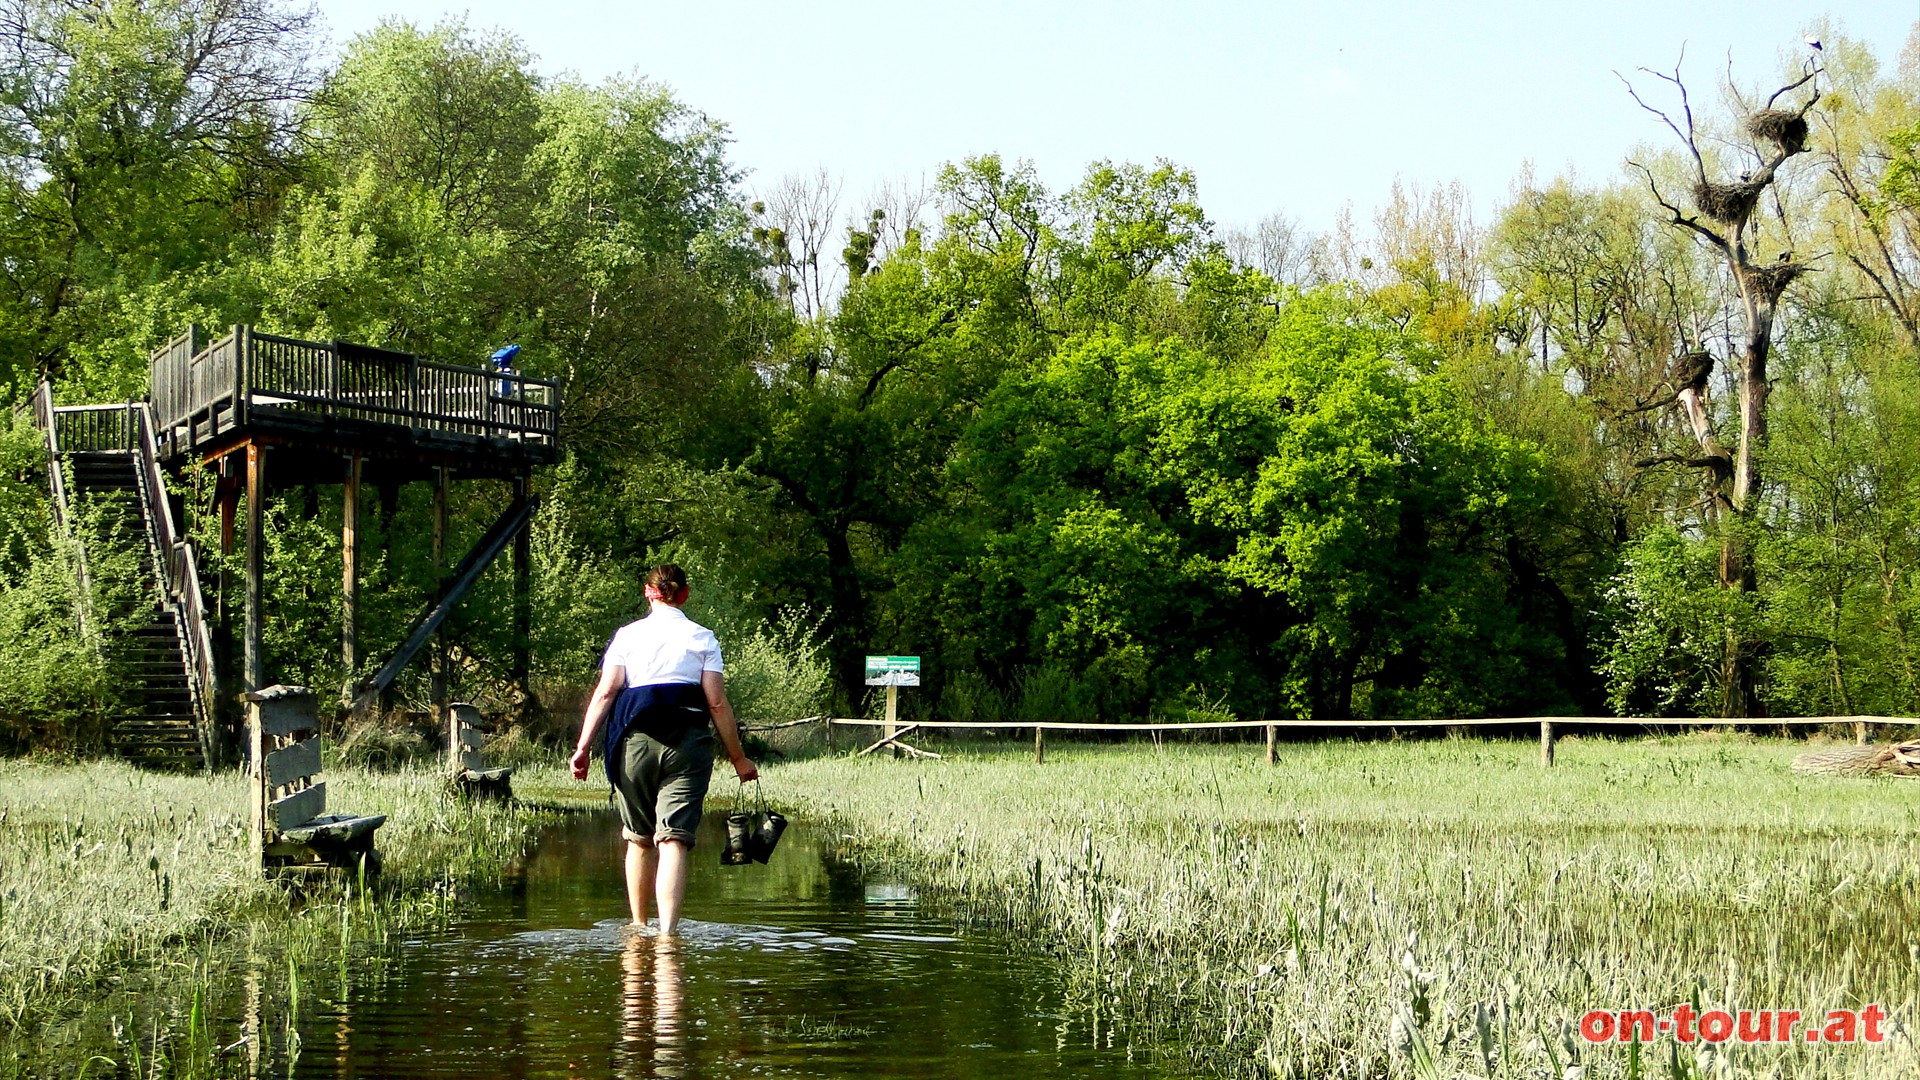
(663, 710)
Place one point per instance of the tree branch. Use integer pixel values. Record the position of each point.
(1679, 218)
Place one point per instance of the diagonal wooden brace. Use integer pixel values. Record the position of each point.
(908, 730)
(452, 590)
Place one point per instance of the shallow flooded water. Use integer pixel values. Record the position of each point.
(793, 969)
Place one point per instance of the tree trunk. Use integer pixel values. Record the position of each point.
(848, 613)
(1740, 664)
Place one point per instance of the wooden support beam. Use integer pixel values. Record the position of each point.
(1039, 746)
(522, 597)
(428, 621)
(1273, 738)
(350, 568)
(226, 496)
(439, 662)
(1546, 744)
(254, 662)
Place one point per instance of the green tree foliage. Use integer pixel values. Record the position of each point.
(1088, 456)
(142, 144)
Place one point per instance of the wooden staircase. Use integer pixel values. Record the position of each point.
(159, 727)
(104, 457)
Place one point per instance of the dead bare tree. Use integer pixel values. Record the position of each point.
(801, 214)
(1722, 220)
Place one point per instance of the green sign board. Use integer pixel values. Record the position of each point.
(893, 671)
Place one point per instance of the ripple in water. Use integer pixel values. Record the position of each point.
(793, 969)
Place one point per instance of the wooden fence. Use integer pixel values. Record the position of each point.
(1547, 725)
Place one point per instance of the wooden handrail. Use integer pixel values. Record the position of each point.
(178, 571)
(47, 417)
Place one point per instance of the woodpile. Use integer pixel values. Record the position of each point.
(1897, 759)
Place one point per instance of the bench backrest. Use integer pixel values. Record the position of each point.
(466, 738)
(283, 724)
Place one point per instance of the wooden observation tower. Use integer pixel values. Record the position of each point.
(267, 413)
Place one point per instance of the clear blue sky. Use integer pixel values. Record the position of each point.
(1289, 107)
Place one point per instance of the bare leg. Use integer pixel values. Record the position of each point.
(670, 886)
(641, 860)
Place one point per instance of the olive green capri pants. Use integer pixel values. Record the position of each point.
(659, 787)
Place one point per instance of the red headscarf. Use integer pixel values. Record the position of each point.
(679, 597)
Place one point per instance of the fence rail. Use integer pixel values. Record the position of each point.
(1546, 724)
(1486, 721)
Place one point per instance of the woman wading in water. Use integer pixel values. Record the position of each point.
(659, 685)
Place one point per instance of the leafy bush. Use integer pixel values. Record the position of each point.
(1668, 625)
(777, 672)
(1054, 693)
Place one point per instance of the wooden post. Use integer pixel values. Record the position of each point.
(438, 681)
(1039, 745)
(226, 492)
(1860, 732)
(350, 568)
(893, 715)
(522, 596)
(1546, 743)
(1273, 737)
(254, 662)
(257, 781)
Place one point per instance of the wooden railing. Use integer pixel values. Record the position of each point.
(95, 428)
(128, 429)
(178, 570)
(222, 383)
(46, 417)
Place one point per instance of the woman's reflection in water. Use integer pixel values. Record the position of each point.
(652, 988)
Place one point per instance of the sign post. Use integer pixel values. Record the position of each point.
(893, 672)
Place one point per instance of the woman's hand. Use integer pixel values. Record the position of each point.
(579, 763)
(743, 768)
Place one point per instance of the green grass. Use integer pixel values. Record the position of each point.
(1423, 908)
(112, 876)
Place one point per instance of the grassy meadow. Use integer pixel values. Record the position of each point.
(1428, 909)
(117, 880)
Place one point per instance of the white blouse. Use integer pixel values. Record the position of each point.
(664, 647)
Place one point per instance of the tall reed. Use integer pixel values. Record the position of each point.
(1426, 909)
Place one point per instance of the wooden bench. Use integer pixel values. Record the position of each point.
(291, 826)
(467, 733)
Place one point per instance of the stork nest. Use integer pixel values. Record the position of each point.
(1773, 278)
(1727, 203)
(1691, 370)
(1898, 759)
(1782, 127)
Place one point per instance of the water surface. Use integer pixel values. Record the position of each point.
(794, 969)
